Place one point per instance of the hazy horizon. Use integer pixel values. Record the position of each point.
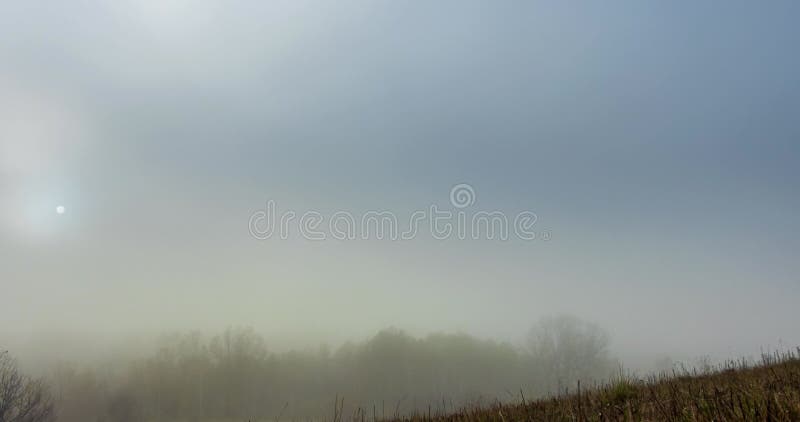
(657, 144)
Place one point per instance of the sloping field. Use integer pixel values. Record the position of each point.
(768, 391)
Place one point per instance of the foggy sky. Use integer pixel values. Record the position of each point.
(657, 142)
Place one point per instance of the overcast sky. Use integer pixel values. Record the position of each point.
(656, 141)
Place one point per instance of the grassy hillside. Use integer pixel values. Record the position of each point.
(768, 391)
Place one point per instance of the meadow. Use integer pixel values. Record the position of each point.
(733, 391)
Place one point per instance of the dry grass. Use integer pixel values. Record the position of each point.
(768, 391)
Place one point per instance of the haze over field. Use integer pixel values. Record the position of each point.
(656, 143)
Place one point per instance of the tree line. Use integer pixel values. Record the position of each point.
(234, 375)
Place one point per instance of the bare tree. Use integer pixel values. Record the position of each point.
(22, 398)
(568, 349)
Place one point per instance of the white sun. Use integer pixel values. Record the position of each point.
(60, 209)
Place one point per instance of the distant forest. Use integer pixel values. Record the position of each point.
(235, 376)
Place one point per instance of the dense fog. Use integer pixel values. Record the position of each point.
(237, 209)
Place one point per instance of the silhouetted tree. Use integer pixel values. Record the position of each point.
(22, 399)
(566, 349)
